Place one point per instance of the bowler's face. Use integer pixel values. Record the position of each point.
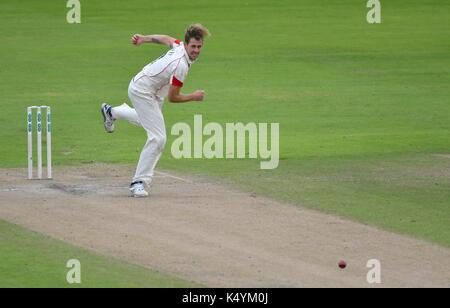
(193, 48)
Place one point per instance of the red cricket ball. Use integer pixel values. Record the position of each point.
(342, 264)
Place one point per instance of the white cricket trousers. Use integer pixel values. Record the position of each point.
(146, 113)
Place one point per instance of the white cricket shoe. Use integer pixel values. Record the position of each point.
(137, 190)
(108, 120)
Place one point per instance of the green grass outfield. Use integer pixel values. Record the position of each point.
(31, 260)
(364, 110)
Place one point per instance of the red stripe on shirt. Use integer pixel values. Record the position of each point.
(175, 82)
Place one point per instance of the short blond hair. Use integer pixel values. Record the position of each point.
(197, 31)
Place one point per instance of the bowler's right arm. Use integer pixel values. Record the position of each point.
(176, 97)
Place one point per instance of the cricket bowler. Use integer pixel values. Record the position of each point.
(162, 78)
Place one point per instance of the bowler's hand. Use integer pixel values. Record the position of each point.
(137, 39)
(198, 95)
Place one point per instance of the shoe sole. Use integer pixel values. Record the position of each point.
(136, 196)
(102, 110)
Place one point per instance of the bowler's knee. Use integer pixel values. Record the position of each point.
(160, 141)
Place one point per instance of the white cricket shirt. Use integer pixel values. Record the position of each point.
(169, 69)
